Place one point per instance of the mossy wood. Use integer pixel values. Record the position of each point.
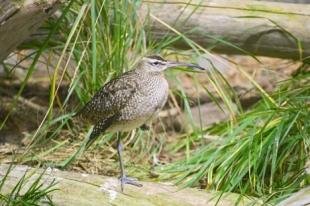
(262, 28)
(84, 189)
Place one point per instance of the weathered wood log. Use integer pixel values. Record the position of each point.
(19, 19)
(262, 28)
(290, 1)
(84, 189)
(301, 197)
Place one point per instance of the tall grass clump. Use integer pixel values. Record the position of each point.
(95, 41)
(263, 154)
(105, 39)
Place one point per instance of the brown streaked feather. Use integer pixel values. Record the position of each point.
(110, 99)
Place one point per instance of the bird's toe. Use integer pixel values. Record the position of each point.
(129, 181)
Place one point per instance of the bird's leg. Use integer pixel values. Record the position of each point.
(124, 179)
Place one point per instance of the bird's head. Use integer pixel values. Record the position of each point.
(156, 64)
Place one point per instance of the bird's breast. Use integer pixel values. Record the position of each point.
(148, 100)
(144, 105)
(156, 95)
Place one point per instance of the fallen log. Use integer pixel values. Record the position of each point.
(261, 28)
(290, 1)
(19, 19)
(84, 189)
(301, 197)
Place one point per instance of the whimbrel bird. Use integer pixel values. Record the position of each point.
(130, 101)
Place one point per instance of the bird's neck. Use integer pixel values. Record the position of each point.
(144, 71)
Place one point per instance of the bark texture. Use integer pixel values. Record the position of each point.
(19, 19)
(262, 28)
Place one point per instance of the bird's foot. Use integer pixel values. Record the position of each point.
(130, 181)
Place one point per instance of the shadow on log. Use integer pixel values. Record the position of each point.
(84, 189)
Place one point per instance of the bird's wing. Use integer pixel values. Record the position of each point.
(110, 99)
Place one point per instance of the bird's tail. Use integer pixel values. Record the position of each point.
(93, 136)
(91, 139)
(98, 129)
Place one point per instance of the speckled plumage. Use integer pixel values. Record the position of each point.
(127, 102)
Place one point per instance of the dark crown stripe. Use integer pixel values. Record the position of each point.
(156, 57)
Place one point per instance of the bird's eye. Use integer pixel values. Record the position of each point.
(155, 63)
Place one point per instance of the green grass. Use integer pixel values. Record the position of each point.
(24, 194)
(262, 154)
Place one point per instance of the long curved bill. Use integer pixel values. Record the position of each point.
(181, 64)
